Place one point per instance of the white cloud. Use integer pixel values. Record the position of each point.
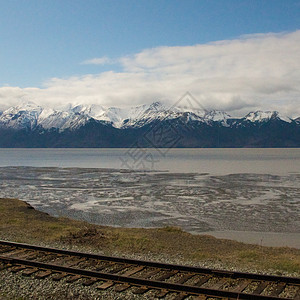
(259, 71)
(98, 61)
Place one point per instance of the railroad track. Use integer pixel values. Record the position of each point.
(103, 272)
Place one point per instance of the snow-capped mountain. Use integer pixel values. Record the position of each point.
(113, 115)
(31, 116)
(261, 116)
(147, 114)
(30, 125)
(217, 116)
(21, 116)
(61, 120)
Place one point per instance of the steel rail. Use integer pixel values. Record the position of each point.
(191, 269)
(138, 281)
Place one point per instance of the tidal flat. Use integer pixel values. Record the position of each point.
(195, 202)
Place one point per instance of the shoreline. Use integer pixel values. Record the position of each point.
(269, 239)
(20, 222)
(225, 205)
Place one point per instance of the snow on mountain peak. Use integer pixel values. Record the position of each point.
(23, 116)
(261, 116)
(258, 116)
(217, 115)
(92, 110)
(157, 106)
(30, 115)
(28, 106)
(283, 118)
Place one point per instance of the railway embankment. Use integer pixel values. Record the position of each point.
(19, 222)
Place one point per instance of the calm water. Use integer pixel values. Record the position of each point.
(212, 161)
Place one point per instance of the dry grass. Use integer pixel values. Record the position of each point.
(18, 221)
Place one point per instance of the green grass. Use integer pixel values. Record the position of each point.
(250, 255)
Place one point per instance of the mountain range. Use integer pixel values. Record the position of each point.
(154, 125)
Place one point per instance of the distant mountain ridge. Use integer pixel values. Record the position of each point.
(30, 116)
(30, 125)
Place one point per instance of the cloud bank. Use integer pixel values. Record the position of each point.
(251, 72)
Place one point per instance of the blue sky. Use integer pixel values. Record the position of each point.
(54, 44)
